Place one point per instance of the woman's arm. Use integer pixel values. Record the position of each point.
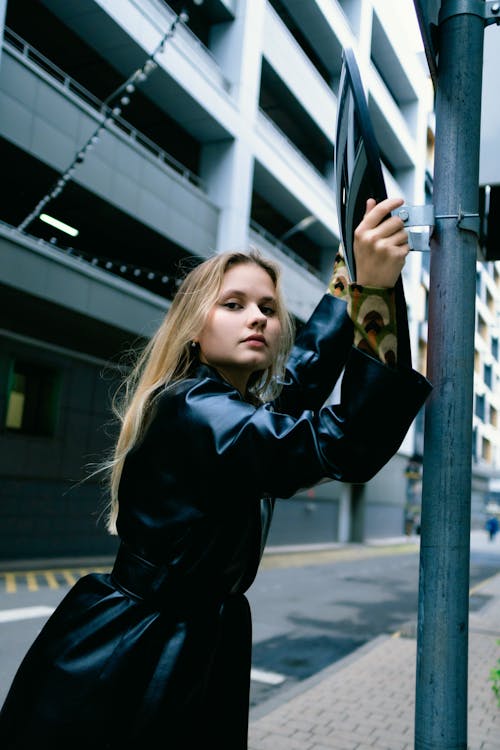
(317, 358)
(252, 452)
(368, 320)
(372, 311)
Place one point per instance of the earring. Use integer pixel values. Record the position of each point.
(193, 344)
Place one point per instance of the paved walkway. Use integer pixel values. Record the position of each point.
(367, 700)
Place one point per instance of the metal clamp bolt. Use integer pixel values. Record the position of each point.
(464, 220)
(487, 10)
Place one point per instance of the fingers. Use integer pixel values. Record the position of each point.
(370, 203)
(400, 238)
(379, 222)
(390, 228)
(380, 244)
(376, 212)
(390, 233)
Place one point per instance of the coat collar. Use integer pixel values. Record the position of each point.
(201, 370)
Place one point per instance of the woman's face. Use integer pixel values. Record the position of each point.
(242, 332)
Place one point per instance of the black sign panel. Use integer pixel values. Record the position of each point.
(359, 176)
(358, 172)
(489, 211)
(427, 12)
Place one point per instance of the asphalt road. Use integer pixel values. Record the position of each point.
(309, 615)
(309, 609)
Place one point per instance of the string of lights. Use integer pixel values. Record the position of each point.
(110, 110)
(115, 265)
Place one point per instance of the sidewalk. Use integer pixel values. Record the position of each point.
(367, 700)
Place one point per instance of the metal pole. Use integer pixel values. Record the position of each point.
(442, 635)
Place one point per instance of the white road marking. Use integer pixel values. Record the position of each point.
(24, 613)
(270, 678)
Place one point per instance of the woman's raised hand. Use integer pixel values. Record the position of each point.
(380, 244)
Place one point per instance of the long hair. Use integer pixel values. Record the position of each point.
(168, 357)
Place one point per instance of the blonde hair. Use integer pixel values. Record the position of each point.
(168, 357)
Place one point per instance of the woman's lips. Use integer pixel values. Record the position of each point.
(255, 341)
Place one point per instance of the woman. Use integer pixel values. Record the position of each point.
(158, 652)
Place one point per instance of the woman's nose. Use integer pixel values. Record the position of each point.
(257, 317)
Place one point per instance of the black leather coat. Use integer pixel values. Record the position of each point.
(157, 653)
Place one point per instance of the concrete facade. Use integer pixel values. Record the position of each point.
(226, 141)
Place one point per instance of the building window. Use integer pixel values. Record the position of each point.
(480, 407)
(486, 450)
(482, 328)
(477, 362)
(494, 348)
(488, 375)
(490, 302)
(32, 399)
(496, 277)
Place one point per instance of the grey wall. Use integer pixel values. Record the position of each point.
(43, 118)
(44, 512)
(385, 497)
(305, 519)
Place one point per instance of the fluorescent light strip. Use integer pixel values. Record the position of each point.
(59, 224)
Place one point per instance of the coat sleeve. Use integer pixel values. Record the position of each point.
(317, 358)
(262, 451)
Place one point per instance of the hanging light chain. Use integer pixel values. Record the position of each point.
(128, 88)
(116, 265)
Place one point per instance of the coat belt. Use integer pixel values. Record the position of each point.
(137, 576)
(143, 580)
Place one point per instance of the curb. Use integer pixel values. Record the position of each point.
(38, 563)
(54, 563)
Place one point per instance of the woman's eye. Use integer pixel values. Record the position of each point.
(269, 311)
(232, 305)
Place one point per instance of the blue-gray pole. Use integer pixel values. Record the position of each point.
(442, 634)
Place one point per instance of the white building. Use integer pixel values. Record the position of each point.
(486, 435)
(226, 140)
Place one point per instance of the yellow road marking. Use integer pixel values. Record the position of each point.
(68, 577)
(10, 583)
(54, 578)
(51, 579)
